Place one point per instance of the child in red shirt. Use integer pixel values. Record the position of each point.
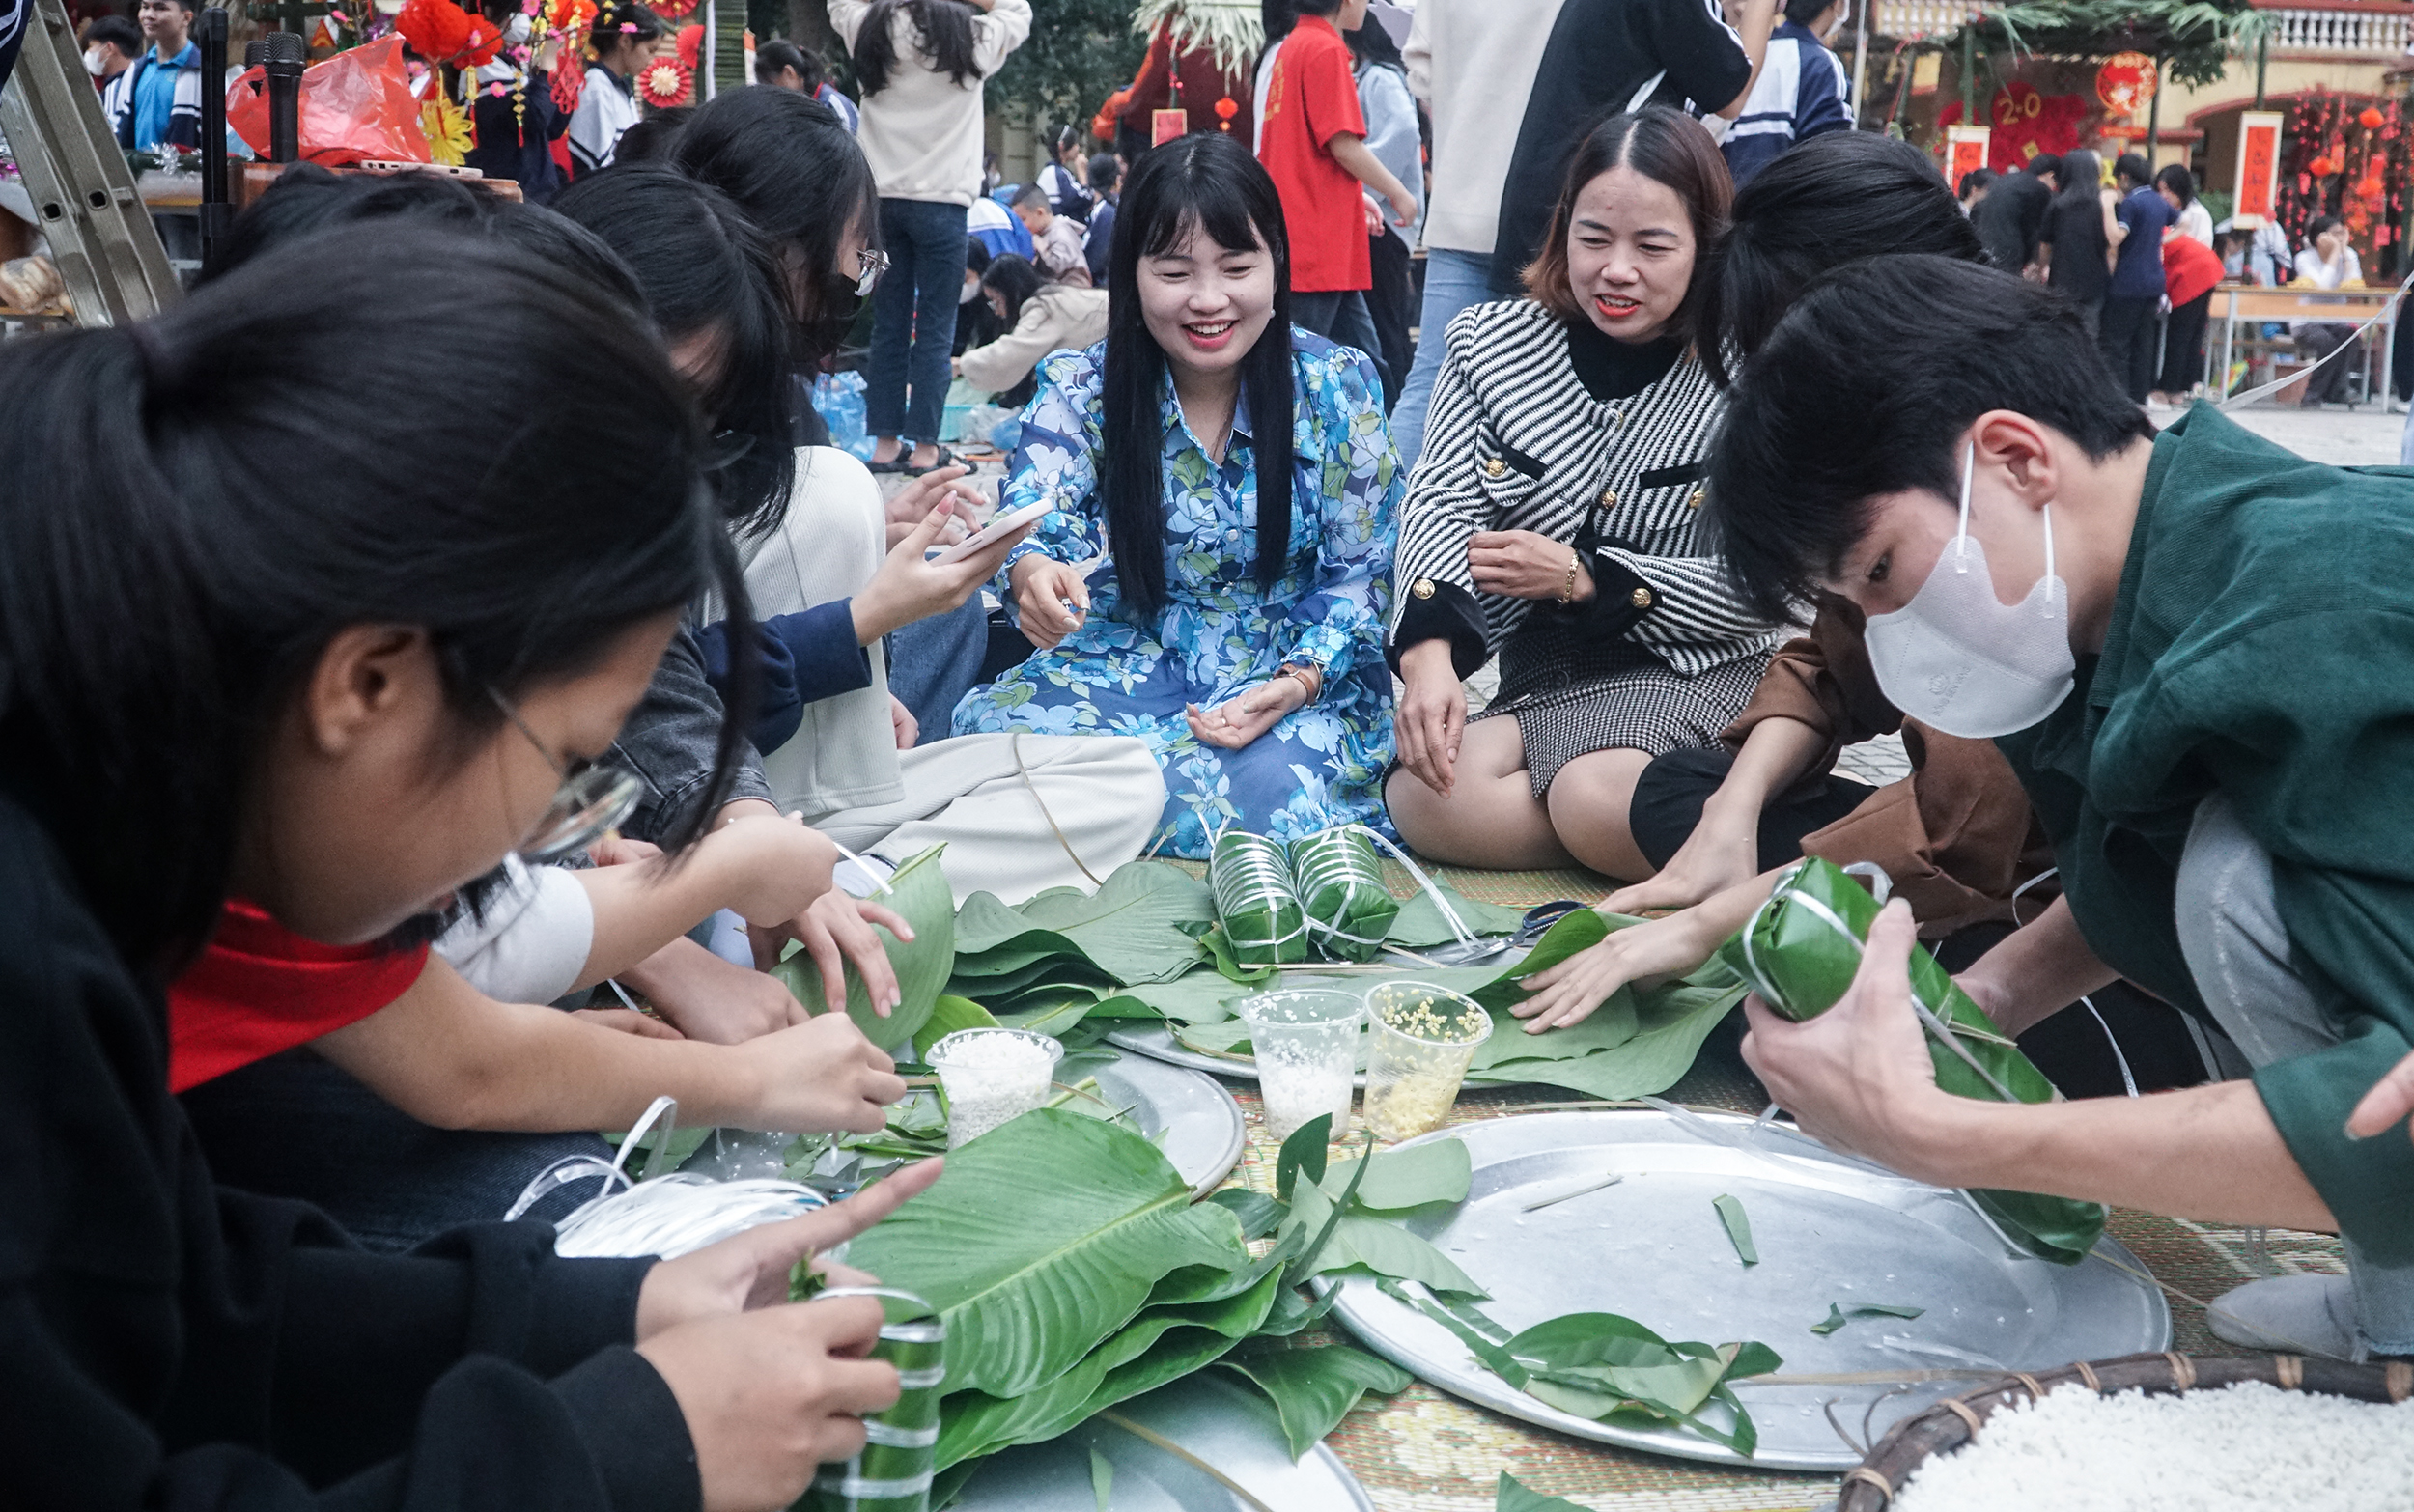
(1314, 146)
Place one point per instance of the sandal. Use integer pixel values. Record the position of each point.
(944, 457)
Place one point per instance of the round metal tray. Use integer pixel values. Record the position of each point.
(1191, 1117)
(1211, 1416)
(1830, 1229)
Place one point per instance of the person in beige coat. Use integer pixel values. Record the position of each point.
(1039, 316)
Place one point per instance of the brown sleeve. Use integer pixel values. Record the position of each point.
(1822, 680)
(1954, 835)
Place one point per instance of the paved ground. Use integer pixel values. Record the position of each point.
(2345, 437)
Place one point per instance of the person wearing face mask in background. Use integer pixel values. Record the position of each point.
(1233, 617)
(111, 44)
(2203, 696)
(1954, 835)
(516, 118)
(1798, 94)
(1551, 521)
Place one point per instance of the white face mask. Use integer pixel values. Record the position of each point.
(96, 62)
(1961, 659)
(516, 31)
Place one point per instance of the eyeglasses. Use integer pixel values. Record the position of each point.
(592, 801)
(869, 264)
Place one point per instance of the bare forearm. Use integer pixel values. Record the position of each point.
(1759, 19)
(644, 906)
(1777, 751)
(448, 1056)
(1353, 153)
(2038, 969)
(2209, 1153)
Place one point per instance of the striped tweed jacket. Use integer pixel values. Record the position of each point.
(1515, 442)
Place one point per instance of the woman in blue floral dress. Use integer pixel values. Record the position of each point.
(1257, 676)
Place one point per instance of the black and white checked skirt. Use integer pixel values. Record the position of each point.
(1571, 699)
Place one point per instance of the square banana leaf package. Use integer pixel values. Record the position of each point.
(1339, 883)
(1800, 954)
(1255, 903)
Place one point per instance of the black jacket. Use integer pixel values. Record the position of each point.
(164, 1343)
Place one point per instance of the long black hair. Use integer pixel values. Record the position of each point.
(1833, 199)
(198, 503)
(704, 269)
(942, 35)
(797, 175)
(1208, 182)
(2082, 178)
(1016, 281)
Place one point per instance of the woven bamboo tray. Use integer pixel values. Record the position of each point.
(1957, 1420)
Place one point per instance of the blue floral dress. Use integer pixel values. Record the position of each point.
(1218, 632)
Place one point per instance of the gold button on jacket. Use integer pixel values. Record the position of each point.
(1493, 467)
(1422, 588)
(1641, 598)
(1609, 499)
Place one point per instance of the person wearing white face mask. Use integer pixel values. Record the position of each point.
(111, 44)
(2221, 774)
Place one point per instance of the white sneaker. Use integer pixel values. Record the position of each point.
(2290, 1314)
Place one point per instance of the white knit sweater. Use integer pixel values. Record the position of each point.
(924, 132)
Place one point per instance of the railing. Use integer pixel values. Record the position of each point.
(2364, 34)
(2336, 34)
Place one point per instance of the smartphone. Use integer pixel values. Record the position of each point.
(995, 530)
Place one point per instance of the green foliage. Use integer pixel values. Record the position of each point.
(1314, 1388)
(1416, 1175)
(1043, 1238)
(948, 1016)
(2194, 39)
(1512, 1497)
(918, 890)
(1080, 53)
(1738, 1228)
(1130, 930)
(1837, 1316)
(1421, 926)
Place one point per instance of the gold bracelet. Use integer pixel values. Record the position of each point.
(1567, 593)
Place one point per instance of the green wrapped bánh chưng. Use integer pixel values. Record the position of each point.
(1255, 903)
(1800, 954)
(893, 1471)
(1340, 891)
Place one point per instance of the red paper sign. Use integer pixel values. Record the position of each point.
(2259, 165)
(1166, 125)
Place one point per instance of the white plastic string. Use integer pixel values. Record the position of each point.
(674, 1215)
(880, 883)
(1354, 867)
(1253, 871)
(2127, 1081)
(1458, 926)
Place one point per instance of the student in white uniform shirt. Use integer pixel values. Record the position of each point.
(627, 36)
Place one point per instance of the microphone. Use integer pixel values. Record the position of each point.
(282, 57)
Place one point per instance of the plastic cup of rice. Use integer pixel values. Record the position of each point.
(1307, 1046)
(991, 1076)
(1424, 1038)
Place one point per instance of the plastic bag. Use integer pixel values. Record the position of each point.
(1801, 952)
(838, 399)
(356, 105)
(1339, 883)
(1260, 914)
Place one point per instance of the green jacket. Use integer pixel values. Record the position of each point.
(2261, 645)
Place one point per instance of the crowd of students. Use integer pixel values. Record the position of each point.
(382, 749)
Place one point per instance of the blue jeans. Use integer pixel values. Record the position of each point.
(1453, 281)
(1339, 315)
(933, 662)
(914, 318)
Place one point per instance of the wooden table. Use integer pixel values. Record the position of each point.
(2236, 302)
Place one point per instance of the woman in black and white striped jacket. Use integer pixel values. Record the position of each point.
(1554, 520)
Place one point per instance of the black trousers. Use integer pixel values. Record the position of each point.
(2317, 339)
(2126, 338)
(2080, 1052)
(2183, 346)
(1391, 304)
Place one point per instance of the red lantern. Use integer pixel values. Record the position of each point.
(2370, 118)
(2127, 82)
(1226, 109)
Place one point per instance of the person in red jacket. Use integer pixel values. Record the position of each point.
(1199, 58)
(2190, 270)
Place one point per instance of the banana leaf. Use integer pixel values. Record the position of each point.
(1043, 1238)
(1339, 885)
(1801, 952)
(1256, 905)
(1314, 1389)
(1420, 923)
(1513, 1496)
(1362, 1243)
(1670, 1022)
(918, 890)
(1160, 1345)
(948, 1016)
(1411, 1177)
(1130, 928)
